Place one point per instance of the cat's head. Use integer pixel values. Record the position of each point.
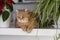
(23, 14)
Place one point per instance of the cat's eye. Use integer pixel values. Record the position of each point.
(22, 17)
(18, 17)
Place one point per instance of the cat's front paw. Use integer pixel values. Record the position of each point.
(29, 30)
(23, 28)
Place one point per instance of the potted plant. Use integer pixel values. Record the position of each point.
(47, 13)
(6, 7)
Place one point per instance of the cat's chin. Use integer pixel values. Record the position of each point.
(22, 21)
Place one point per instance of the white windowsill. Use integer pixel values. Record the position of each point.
(18, 31)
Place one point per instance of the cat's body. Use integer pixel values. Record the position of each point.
(25, 21)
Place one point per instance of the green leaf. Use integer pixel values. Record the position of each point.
(55, 13)
(38, 12)
(58, 14)
(50, 8)
(5, 15)
(9, 7)
(5, 1)
(44, 11)
(38, 7)
(58, 11)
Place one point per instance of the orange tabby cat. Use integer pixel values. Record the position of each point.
(25, 21)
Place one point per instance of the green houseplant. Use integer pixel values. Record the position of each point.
(47, 13)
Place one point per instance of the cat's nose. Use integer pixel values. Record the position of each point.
(22, 17)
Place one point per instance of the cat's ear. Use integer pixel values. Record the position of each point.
(26, 10)
(17, 11)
